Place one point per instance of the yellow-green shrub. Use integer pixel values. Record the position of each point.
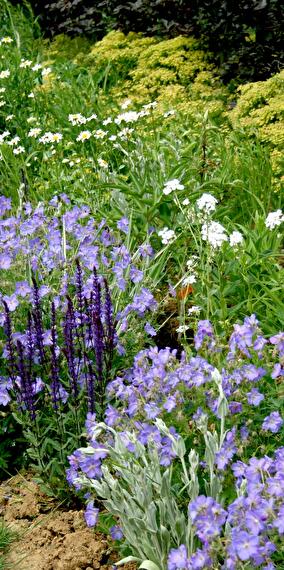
(175, 72)
(260, 110)
(65, 47)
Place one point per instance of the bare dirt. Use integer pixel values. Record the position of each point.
(50, 538)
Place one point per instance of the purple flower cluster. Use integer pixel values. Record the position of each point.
(89, 341)
(256, 517)
(246, 338)
(46, 238)
(204, 335)
(227, 451)
(153, 386)
(273, 422)
(252, 524)
(208, 518)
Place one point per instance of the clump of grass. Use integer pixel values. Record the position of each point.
(7, 537)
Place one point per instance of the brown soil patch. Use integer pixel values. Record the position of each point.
(49, 537)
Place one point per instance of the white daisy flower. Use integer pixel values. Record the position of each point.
(18, 150)
(34, 132)
(25, 63)
(77, 119)
(102, 163)
(84, 136)
(5, 73)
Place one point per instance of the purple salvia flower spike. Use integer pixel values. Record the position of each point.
(37, 317)
(54, 363)
(30, 345)
(90, 387)
(98, 335)
(109, 321)
(26, 390)
(69, 326)
(10, 345)
(79, 292)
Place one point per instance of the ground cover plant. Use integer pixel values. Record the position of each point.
(141, 295)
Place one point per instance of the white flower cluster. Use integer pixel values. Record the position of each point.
(18, 150)
(214, 233)
(274, 219)
(103, 163)
(207, 203)
(172, 185)
(182, 329)
(37, 67)
(77, 119)
(100, 134)
(235, 239)
(126, 103)
(192, 276)
(14, 141)
(125, 133)
(46, 71)
(169, 113)
(71, 162)
(166, 235)
(150, 105)
(189, 280)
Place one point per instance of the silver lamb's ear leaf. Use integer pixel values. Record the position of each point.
(149, 565)
(128, 559)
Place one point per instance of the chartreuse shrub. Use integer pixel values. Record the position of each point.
(260, 112)
(172, 71)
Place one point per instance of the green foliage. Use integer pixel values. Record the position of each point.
(12, 445)
(260, 111)
(245, 37)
